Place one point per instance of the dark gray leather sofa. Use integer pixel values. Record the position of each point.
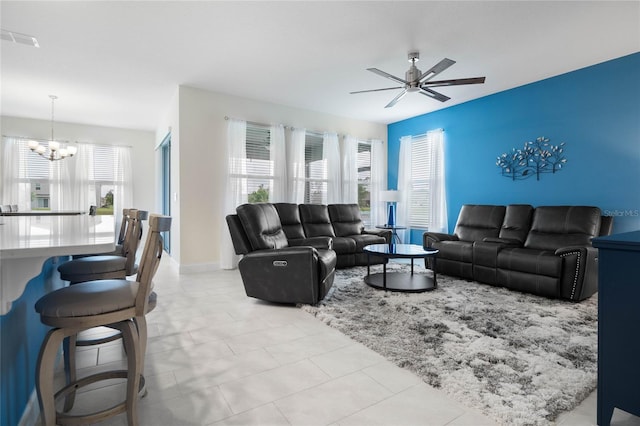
(545, 250)
(290, 251)
(271, 268)
(341, 223)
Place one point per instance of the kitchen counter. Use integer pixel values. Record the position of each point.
(26, 242)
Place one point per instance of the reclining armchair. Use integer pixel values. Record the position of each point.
(271, 268)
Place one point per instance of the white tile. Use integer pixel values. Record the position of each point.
(253, 391)
(346, 360)
(308, 346)
(340, 397)
(266, 415)
(198, 408)
(391, 376)
(206, 373)
(418, 405)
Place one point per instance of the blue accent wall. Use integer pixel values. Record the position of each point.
(21, 334)
(594, 110)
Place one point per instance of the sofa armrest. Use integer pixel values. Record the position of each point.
(428, 238)
(579, 272)
(320, 243)
(385, 233)
(288, 275)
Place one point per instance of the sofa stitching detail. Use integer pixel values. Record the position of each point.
(575, 275)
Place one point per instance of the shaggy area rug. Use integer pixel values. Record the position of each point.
(519, 358)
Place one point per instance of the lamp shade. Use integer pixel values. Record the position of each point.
(390, 196)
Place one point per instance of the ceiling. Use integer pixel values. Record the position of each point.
(118, 63)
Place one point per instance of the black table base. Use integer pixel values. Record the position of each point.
(401, 281)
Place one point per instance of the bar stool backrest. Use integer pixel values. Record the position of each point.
(151, 256)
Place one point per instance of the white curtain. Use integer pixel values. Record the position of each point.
(378, 182)
(349, 170)
(296, 166)
(279, 158)
(59, 196)
(123, 194)
(234, 186)
(331, 153)
(12, 191)
(81, 194)
(404, 187)
(438, 200)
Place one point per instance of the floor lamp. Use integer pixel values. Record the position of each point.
(391, 197)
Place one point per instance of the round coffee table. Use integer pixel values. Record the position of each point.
(401, 281)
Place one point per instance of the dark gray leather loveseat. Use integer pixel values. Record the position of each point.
(290, 251)
(544, 250)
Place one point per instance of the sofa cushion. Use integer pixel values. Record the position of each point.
(344, 245)
(554, 227)
(516, 223)
(316, 221)
(532, 261)
(290, 219)
(345, 219)
(363, 240)
(262, 226)
(476, 222)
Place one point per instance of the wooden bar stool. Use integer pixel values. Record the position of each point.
(117, 303)
(108, 266)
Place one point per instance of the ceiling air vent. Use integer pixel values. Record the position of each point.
(19, 38)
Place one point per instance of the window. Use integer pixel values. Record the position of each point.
(257, 177)
(425, 181)
(316, 176)
(364, 181)
(419, 199)
(103, 176)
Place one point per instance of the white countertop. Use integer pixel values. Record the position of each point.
(27, 241)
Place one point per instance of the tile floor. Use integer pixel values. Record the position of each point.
(217, 357)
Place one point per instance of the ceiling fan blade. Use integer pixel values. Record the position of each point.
(433, 94)
(375, 90)
(456, 82)
(387, 75)
(396, 99)
(436, 69)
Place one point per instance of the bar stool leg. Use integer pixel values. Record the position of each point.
(131, 343)
(69, 354)
(141, 325)
(44, 379)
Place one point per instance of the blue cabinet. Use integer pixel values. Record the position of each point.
(618, 324)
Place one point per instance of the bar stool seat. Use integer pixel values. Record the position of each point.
(93, 267)
(109, 265)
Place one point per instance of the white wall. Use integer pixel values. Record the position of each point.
(201, 138)
(144, 196)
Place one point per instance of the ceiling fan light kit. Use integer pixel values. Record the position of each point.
(417, 81)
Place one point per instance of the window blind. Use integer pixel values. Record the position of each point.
(419, 204)
(315, 170)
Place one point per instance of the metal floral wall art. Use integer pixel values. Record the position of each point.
(533, 159)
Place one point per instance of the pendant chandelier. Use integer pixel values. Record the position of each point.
(53, 151)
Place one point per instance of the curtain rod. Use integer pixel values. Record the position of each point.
(313, 132)
(65, 141)
(426, 133)
(33, 139)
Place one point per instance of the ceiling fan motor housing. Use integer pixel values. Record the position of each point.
(413, 78)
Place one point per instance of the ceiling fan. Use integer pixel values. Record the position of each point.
(418, 81)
